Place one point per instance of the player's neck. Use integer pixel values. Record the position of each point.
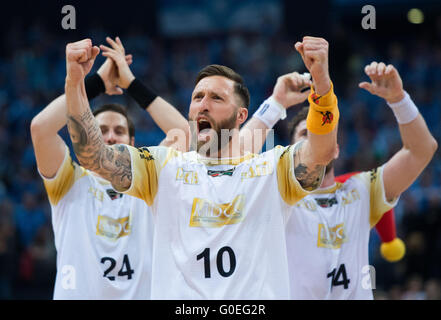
(329, 179)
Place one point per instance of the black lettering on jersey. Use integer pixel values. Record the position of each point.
(144, 153)
(373, 174)
(113, 194)
(326, 202)
(339, 279)
(218, 173)
(285, 151)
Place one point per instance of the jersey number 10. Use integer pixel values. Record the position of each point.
(219, 261)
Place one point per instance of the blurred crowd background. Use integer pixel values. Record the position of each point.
(171, 41)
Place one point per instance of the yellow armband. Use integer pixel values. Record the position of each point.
(323, 112)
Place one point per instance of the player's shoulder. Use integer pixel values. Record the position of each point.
(278, 151)
(365, 178)
(158, 153)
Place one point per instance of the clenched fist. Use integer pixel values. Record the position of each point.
(287, 90)
(386, 82)
(80, 57)
(314, 52)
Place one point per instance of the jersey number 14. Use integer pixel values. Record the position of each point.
(339, 279)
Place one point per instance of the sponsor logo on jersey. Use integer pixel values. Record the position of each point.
(205, 213)
(144, 153)
(113, 194)
(258, 170)
(331, 238)
(113, 228)
(218, 173)
(326, 202)
(187, 177)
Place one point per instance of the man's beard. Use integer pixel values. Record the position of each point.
(218, 140)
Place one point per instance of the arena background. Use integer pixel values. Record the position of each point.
(170, 41)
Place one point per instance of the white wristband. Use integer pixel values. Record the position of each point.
(405, 110)
(270, 111)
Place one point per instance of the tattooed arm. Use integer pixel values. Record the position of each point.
(111, 162)
(311, 156)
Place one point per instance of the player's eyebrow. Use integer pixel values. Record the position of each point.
(120, 127)
(209, 92)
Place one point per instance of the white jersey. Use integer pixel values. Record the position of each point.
(328, 238)
(219, 223)
(103, 238)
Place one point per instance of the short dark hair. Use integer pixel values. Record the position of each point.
(115, 107)
(239, 85)
(299, 117)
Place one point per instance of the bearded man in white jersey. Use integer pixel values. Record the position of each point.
(219, 213)
(103, 238)
(328, 231)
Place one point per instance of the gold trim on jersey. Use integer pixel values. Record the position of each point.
(67, 174)
(331, 238)
(337, 186)
(205, 213)
(113, 229)
(289, 188)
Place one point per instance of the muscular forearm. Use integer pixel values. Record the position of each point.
(418, 140)
(253, 135)
(51, 119)
(407, 164)
(166, 116)
(321, 145)
(111, 162)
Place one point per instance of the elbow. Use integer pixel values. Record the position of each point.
(36, 127)
(425, 155)
(433, 147)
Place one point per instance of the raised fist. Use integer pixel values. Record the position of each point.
(287, 90)
(314, 52)
(80, 57)
(386, 82)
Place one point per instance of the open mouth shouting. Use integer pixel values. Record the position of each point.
(204, 126)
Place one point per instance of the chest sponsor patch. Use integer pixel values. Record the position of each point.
(205, 213)
(113, 228)
(331, 237)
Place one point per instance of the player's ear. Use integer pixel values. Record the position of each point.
(242, 115)
(132, 141)
(337, 152)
